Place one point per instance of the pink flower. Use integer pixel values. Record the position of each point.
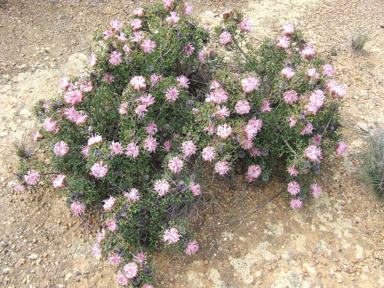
(122, 37)
(292, 121)
(171, 236)
(126, 49)
(85, 151)
(140, 258)
(254, 172)
(288, 73)
(308, 129)
(195, 188)
(155, 78)
(172, 94)
(61, 148)
(266, 107)
(167, 146)
(209, 153)
(132, 150)
(317, 139)
(210, 129)
(122, 279)
(242, 107)
(292, 171)
(58, 182)
(147, 99)
(222, 112)
(341, 148)
(97, 250)
(109, 78)
(174, 18)
(133, 195)
(147, 286)
(111, 225)
(115, 58)
(148, 46)
(293, 188)
(246, 25)
(168, 4)
(93, 60)
(283, 42)
(109, 204)
(336, 90)
(136, 24)
(64, 83)
(116, 25)
(189, 49)
(253, 127)
(225, 38)
(328, 70)
(201, 56)
(183, 82)
(219, 96)
(296, 203)
(214, 85)
(137, 37)
(123, 108)
(99, 170)
(250, 84)
(175, 164)
(37, 136)
(139, 12)
(150, 144)
(131, 270)
(255, 152)
(316, 190)
(19, 188)
(77, 208)
(290, 97)
(116, 148)
(32, 177)
(288, 29)
(94, 139)
(73, 97)
(100, 236)
(308, 52)
(138, 83)
(140, 110)
(188, 148)
(315, 102)
(191, 248)
(49, 125)
(312, 73)
(161, 187)
(151, 128)
(221, 168)
(313, 153)
(107, 34)
(223, 131)
(115, 259)
(187, 9)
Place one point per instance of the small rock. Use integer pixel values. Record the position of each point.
(6, 271)
(205, 262)
(33, 256)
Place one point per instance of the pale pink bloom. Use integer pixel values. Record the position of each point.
(288, 73)
(316, 190)
(116, 25)
(99, 170)
(97, 250)
(210, 129)
(138, 83)
(150, 144)
(288, 29)
(172, 94)
(175, 164)
(308, 52)
(253, 127)
(161, 187)
(86, 88)
(312, 73)
(19, 188)
(140, 258)
(293, 188)
(37, 136)
(222, 112)
(171, 236)
(77, 208)
(227, 13)
(115, 58)
(336, 90)
(73, 97)
(111, 225)
(188, 148)
(246, 25)
(148, 46)
(317, 139)
(174, 18)
(221, 167)
(122, 37)
(313, 153)
(308, 129)
(215, 84)
(168, 4)
(94, 139)
(167, 146)
(85, 151)
(250, 84)
(290, 97)
(223, 131)
(122, 279)
(147, 286)
(225, 38)
(107, 34)
(292, 121)
(32, 177)
(292, 171)
(137, 37)
(315, 102)
(201, 56)
(341, 148)
(93, 60)
(254, 172)
(255, 152)
(266, 107)
(64, 83)
(283, 42)
(195, 188)
(140, 110)
(132, 150)
(242, 107)
(109, 204)
(147, 99)
(116, 148)
(61, 148)
(100, 236)
(131, 270)
(195, 111)
(219, 96)
(136, 24)
(155, 78)
(109, 78)
(58, 182)
(115, 259)
(151, 128)
(187, 9)
(126, 49)
(328, 70)
(296, 203)
(183, 82)
(139, 12)
(189, 49)
(49, 125)
(191, 248)
(133, 195)
(209, 153)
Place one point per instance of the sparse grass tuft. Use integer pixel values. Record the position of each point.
(21, 149)
(359, 40)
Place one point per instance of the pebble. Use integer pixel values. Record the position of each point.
(205, 262)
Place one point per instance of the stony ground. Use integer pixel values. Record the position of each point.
(336, 241)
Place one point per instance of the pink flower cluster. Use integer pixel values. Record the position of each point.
(225, 38)
(315, 102)
(246, 25)
(335, 89)
(175, 164)
(254, 172)
(171, 236)
(209, 153)
(188, 148)
(109, 204)
(221, 168)
(77, 208)
(32, 177)
(290, 97)
(74, 116)
(73, 97)
(195, 188)
(191, 248)
(138, 83)
(133, 195)
(172, 94)
(253, 127)
(288, 73)
(99, 170)
(250, 84)
(242, 107)
(61, 148)
(162, 187)
(341, 148)
(218, 96)
(313, 153)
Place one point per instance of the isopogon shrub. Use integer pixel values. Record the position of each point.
(157, 111)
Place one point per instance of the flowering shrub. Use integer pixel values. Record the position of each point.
(130, 133)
